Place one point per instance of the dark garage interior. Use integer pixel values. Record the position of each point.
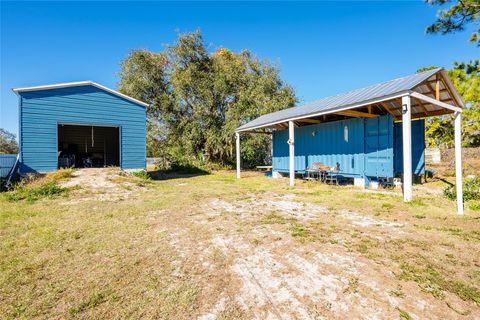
(84, 146)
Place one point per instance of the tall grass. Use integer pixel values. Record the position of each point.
(35, 187)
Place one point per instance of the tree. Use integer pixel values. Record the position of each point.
(456, 17)
(466, 79)
(8, 144)
(199, 98)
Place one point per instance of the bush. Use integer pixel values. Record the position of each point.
(35, 192)
(142, 174)
(471, 189)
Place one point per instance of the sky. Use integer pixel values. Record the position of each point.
(321, 48)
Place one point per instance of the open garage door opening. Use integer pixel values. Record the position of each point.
(84, 146)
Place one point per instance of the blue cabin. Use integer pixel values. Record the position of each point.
(368, 148)
(80, 124)
(359, 132)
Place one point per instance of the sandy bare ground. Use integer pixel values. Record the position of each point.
(269, 270)
(103, 184)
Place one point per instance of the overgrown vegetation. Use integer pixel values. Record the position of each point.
(432, 281)
(198, 98)
(142, 174)
(471, 190)
(33, 193)
(35, 187)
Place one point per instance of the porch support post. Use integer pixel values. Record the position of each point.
(237, 149)
(458, 161)
(291, 142)
(407, 147)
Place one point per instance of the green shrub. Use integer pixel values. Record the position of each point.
(35, 192)
(475, 206)
(470, 190)
(142, 174)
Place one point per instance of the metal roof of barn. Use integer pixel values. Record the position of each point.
(79, 84)
(344, 101)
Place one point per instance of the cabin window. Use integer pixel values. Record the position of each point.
(345, 133)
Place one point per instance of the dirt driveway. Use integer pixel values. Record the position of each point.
(212, 247)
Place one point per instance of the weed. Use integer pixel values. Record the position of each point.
(427, 277)
(417, 202)
(366, 245)
(404, 314)
(471, 189)
(142, 174)
(256, 242)
(398, 292)
(475, 206)
(464, 291)
(34, 192)
(420, 216)
(387, 205)
(352, 285)
(61, 174)
(94, 300)
(299, 230)
(473, 235)
(273, 218)
(432, 281)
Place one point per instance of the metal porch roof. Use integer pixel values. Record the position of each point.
(342, 101)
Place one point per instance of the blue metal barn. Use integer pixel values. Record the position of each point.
(361, 130)
(80, 124)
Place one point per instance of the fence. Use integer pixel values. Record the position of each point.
(7, 161)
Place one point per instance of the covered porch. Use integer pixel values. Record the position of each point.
(418, 96)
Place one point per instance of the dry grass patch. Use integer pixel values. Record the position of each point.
(213, 247)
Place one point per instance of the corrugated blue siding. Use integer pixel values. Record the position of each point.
(418, 147)
(374, 147)
(379, 147)
(7, 161)
(325, 143)
(42, 111)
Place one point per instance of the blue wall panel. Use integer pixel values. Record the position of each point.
(418, 147)
(325, 143)
(42, 111)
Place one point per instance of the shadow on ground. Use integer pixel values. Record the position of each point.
(177, 173)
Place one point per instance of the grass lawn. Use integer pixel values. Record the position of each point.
(211, 246)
